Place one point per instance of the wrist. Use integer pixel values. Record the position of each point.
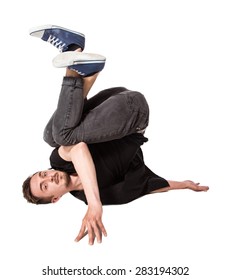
(175, 185)
(96, 203)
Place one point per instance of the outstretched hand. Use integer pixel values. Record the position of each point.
(92, 225)
(195, 186)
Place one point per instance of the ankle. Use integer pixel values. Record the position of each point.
(74, 47)
(72, 73)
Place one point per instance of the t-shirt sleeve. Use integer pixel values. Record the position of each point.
(59, 163)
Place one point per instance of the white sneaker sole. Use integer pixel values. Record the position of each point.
(39, 30)
(72, 58)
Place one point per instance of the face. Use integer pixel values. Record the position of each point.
(49, 183)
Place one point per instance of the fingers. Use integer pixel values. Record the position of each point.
(102, 228)
(91, 235)
(81, 236)
(202, 188)
(82, 233)
(99, 229)
(94, 230)
(197, 187)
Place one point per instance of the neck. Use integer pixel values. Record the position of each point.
(75, 183)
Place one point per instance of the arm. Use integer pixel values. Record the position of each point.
(80, 156)
(174, 185)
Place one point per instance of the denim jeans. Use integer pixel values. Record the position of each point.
(111, 114)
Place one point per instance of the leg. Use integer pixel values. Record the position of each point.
(71, 77)
(71, 92)
(102, 96)
(124, 113)
(84, 64)
(111, 114)
(74, 98)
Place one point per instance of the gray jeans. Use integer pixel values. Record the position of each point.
(111, 114)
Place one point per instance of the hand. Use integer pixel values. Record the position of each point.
(92, 225)
(195, 186)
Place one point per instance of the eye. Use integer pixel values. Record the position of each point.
(43, 174)
(45, 187)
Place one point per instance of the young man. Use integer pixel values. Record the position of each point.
(97, 155)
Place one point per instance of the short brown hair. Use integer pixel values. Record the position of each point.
(30, 197)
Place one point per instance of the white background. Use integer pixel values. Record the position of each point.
(177, 53)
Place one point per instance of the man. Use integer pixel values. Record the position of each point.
(97, 155)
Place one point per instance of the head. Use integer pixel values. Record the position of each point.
(46, 186)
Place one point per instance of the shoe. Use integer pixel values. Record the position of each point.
(59, 37)
(86, 64)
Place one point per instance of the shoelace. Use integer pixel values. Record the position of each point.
(56, 42)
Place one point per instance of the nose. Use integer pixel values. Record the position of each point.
(49, 178)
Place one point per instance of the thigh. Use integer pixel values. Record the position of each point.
(116, 117)
(100, 97)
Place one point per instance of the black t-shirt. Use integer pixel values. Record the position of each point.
(121, 173)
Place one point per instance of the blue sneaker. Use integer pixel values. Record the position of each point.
(86, 64)
(59, 37)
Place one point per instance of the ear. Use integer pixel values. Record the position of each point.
(55, 199)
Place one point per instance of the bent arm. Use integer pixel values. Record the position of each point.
(82, 160)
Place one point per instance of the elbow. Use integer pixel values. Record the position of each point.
(79, 152)
(80, 148)
(81, 145)
(66, 139)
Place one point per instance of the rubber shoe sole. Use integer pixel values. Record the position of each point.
(83, 63)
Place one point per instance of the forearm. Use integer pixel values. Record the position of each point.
(84, 165)
(172, 185)
(175, 185)
(92, 222)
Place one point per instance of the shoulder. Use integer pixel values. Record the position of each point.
(61, 162)
(64, 152)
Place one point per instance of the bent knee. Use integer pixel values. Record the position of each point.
(139, 102)
(48, 138)
(66, 140)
